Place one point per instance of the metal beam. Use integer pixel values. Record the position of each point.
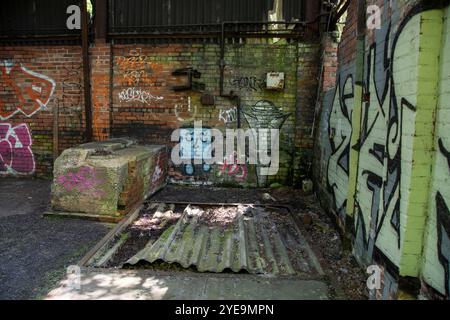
(86, 71)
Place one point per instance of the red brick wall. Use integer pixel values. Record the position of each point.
(33, 81)
(132, 96)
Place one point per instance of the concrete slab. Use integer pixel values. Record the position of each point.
(107, 178)
(107, 284)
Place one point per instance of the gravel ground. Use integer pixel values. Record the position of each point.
(35, 251)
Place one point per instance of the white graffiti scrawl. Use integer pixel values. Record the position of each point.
(138, 95)
(32, 90)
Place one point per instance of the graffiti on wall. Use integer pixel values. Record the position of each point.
(228, 116)
(195, 147)
(389, 109)
(25, 91)
(16, 156)
(71, 87)
(231, 168)
(83, 180)
(250, 83)
(340, 133)
(135, 68)
(264, 115)
(138, 95)
(386, 131)
(185, 112)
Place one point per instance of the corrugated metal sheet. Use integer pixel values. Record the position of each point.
(142, 13)
(237, 238)
(140, 16)
(293, 10)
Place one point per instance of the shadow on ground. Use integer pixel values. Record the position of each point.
(35, 251)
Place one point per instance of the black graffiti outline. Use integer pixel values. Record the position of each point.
(443, 222)
(344, 158)
(443, 226)
(395, 113)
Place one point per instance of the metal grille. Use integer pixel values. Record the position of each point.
(183, 16)
(35, 17)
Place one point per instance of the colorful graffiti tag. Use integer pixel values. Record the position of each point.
(231, 168)
(16, 156)
(85, 179)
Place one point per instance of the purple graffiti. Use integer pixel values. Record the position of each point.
(83, 180)
(16, 156)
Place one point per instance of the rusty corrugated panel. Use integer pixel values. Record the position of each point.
(237, 238)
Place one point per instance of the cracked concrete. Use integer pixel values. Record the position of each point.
(108, 284)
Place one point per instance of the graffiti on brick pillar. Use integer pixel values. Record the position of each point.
(138, 95)
(228, 115)
(195, 147)
(185, 112)
(24, 91)
(16, 156)
(340, 133)
(250, 83)
(83, 180)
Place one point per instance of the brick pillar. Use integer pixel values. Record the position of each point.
(330, 62)
(100, 55)
(307, 76)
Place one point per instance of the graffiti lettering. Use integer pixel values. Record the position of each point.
(228, 116)
(138, 95)
(135, 68)
(248, 83)
(31, 90)
(340, 131)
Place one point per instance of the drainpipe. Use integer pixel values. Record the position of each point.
(86, 70)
